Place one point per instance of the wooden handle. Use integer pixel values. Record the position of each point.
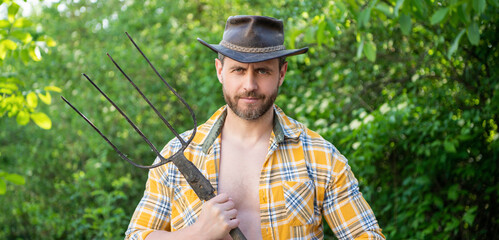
(236, 234)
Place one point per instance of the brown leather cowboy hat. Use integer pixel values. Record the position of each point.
(251, 39)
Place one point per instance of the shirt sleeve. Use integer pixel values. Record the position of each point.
(345, 209)
(154, 209)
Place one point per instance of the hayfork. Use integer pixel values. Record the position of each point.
(194, 177)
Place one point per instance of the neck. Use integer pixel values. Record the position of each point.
(248, 131)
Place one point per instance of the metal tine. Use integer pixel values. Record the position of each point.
(173, 91)
(149, 102)
(128, 119)
(122, 155)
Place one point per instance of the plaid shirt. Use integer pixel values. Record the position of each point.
(303, 179)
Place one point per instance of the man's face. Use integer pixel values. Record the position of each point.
(250, 89)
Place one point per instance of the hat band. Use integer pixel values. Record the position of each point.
(251, 50)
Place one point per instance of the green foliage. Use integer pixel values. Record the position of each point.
(407, 90)
(20, 45)
(17, 44)
(419, 124)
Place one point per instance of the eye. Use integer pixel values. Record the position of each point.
(263, 71)
(238, 70)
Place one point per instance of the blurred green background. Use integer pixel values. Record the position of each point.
(407, 90)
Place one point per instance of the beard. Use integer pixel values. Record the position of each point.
(254, 110)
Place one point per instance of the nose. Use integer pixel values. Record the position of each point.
(250, 83)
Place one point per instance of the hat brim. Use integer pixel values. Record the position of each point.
(245, 57)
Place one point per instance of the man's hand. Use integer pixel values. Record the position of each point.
(217, 217)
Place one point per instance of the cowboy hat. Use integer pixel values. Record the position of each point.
(250, 39)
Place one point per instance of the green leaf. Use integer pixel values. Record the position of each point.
(479, 6)
(363, 17)
(385, 8)
(455, 44)
(372, 3)
(453, 192)
(9, 44)
(405, 24)
(3, 52)
(449, 146)
(451, 225)
(6, 91)
(22, 118)
(464, 16)
(370, 51)
(365, 14)
(22, 23)
(320, 32)
(15, 178)
(293, 35)
(47, 99)
(438, 16)
(11, 86)
(12, 11)
(32, 100)
(397, 7)
(473, 33)
(52, 88)
(34, 53)
(3, 186)
(469, 216)
(360, 49)
(4, 23)
(22, 36)
(42, 120)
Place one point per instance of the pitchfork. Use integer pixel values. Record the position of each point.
(194, 177)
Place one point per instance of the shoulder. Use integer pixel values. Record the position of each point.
(294, 129)
(320, 151)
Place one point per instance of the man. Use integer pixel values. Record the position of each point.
(275, 178)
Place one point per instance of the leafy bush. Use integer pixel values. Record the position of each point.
(406, 90)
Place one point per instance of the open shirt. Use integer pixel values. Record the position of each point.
(304, 178)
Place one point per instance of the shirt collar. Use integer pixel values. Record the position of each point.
(284, 127)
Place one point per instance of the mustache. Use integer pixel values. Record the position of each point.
(251, 94)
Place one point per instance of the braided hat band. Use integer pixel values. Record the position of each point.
(251, 50)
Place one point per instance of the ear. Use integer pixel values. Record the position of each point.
(219, 68)
(282, 73)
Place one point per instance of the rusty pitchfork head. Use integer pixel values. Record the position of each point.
(154, 149)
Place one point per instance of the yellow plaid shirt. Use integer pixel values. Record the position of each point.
(303, 179)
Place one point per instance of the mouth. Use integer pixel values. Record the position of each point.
(249, 99)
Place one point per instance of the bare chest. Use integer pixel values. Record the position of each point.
(239, 177)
